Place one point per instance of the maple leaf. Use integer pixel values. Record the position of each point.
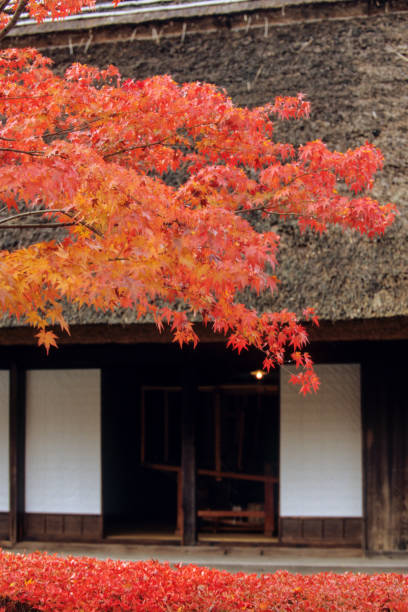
(46, 338)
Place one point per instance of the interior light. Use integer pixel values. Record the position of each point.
(258, 374)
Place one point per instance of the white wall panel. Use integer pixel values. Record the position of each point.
(63, 441)
(4, 441)
(321, 448)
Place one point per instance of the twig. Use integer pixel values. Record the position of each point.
(37, 226)
(88, 226)
(44, 95)
(33, 153)
(142, 146)
(158, 142)
(28, 213)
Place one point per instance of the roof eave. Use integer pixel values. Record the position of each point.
(88, 20)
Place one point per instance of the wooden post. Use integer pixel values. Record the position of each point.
(17, 452)
(166, 427)
(180, 514)
(188, 456)
(385, 459)
(241, 433)
(269, 525)
(217, 436)
(142, 427)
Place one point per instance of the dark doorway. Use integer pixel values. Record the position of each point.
(238, 461)
(237, 447)
(139, 430)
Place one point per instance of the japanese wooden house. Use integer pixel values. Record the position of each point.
(120, 435)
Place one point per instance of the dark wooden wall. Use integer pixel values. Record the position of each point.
(385, 423)
(321, 531)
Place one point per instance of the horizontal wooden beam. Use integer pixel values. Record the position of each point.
(238, 476)
(392, 328)
(231, 513)
(215, 473)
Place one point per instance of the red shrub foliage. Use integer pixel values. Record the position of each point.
(40, 581)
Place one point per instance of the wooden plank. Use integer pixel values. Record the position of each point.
(188, 455)
(63, 527)
(231, 513)
(17, 452)
(215, 474)
(161, 467)
(321, 531)
(237, 476)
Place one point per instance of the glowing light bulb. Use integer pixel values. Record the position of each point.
(258, 374)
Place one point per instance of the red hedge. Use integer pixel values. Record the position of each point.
(40, 581)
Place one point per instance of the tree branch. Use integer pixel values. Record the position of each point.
(37, 226)
(28, 213)
(33, 153)
(85, 224)
(265, 207)
(158, 142)
(44, 95)
(142, 146)
(19, 9)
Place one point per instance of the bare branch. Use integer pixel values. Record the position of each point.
(158, 142)
(33, 153)
(85, 126)
(88, 226)
(44, 95)
(19, 9)
(37, 226)
(28, 213)
(142, 146)
(267, 208)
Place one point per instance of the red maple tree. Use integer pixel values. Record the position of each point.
(154, 184)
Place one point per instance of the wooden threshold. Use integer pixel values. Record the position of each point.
(144, 537)
(158, 537)
(236, 538)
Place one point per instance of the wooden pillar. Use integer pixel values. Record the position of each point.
(385, 431)
(269, 526)
(17, 452)
(188, 457)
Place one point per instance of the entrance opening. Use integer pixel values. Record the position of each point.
(237, 454)
(238, 462)
(140, 430)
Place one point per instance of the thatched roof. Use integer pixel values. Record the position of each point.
(353, 73)
(142, 11)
